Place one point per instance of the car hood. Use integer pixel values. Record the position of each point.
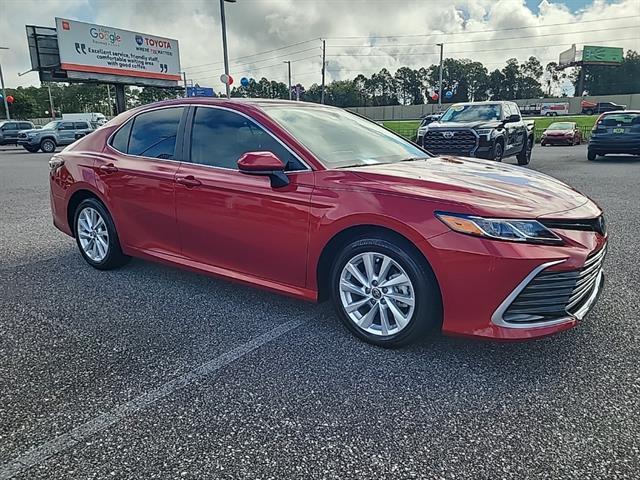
(474, 125)
(481, 187)
(558, 132)
(32, 130)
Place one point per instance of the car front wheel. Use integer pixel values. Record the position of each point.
(384, 292)
(48, 146)
(30, 149)
(96, 236)
(591, 155)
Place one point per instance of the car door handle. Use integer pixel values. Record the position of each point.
(109, 168)
(189, 181)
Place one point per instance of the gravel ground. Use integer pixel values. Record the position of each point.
(152, 372)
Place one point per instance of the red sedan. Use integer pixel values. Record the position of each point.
(315, 202)
(562, 133)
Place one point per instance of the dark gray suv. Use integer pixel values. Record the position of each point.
(9, 131)
(53, 134)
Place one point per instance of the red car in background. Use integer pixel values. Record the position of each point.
(315, 202)
(562, 133)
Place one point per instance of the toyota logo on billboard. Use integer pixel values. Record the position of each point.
(139, 40)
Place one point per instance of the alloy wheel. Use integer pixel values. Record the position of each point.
(377, 294)
(93, 234)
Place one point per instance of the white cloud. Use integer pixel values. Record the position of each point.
(260, 25)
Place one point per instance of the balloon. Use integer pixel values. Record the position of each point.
(224, 78)
(449, 94)
(230, 80)
(435, 96)
(1, 97)
(10, 99)
(244, 81)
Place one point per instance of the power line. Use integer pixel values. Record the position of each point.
(488, 39)
(255, 54)
(529, 47)
(259, 68)
(467, 32)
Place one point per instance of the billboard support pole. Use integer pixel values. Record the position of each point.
(53, 112)
(184, 79)
(4, 96)
(121, 103)
(580, 85)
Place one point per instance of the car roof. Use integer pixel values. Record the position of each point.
(621, 111)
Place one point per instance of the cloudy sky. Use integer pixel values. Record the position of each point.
(361, 35)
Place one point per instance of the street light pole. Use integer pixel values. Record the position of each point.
(4, 94)
(53, 112)
(441, 45)
(288, 62)
(224, 43)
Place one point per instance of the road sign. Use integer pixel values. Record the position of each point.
(98, 51)
(600, 55)
(200, 92)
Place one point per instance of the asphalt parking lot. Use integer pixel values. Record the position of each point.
(152, 372)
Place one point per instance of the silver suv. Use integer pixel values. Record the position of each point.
(9, 131)
(53, 134)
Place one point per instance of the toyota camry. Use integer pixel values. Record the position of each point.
(318, 203)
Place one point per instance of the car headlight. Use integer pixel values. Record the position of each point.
(485, 131)
(513, 230)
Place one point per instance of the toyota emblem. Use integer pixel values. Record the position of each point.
(448, 134)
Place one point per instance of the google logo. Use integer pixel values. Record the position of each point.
(105, 35)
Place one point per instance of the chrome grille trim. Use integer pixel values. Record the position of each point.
(550, 298)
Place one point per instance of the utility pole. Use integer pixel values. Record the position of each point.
(441, 45)
(324, 49)
(52, 108)
(184, 79)
(4, 94)
(224, 44)
(288, 62)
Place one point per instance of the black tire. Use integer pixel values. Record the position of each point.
(498, 151)
(588, 112)
(31, 149)
(114, 257)
(591, 155)
(427, 313)
(48, 145)
(524, 157)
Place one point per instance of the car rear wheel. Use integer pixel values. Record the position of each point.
(48, 146)
(96, 236)
(384, 292)
(31, 149)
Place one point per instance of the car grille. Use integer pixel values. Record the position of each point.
(553, 295)
(462, 142)
(589, 225)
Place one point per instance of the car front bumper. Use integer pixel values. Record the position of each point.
(30, 142)
(557, 140)
(481, 281)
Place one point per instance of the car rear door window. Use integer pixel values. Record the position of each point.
(220, 137)
(25, 126)
(81, 126)
(153, 134)
(66, 126)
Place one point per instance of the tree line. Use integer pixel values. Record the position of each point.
(463, 80)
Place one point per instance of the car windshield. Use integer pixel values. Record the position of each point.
(561, 126)
(50, 126)
(472, 113)
(341, 139)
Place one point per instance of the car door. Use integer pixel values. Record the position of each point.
(239, 222)
(10, 132)
(136, 174)
(66, 133)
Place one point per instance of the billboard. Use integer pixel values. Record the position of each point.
(606, 55)
(567, 57)
(96, 52)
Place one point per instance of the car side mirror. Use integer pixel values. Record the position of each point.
(512, 118)
(264, 163)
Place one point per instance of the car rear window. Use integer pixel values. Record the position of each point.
(620, 119)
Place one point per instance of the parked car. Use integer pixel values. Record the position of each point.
(53, 134)
(424, 121)
(9, 131)
(316, 202)
(490, 130)
(562, 133)
(95, 119)
(591, 108)
(615, 132)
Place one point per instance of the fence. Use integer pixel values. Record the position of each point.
(409, 132)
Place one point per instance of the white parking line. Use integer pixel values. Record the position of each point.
(40, 454)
